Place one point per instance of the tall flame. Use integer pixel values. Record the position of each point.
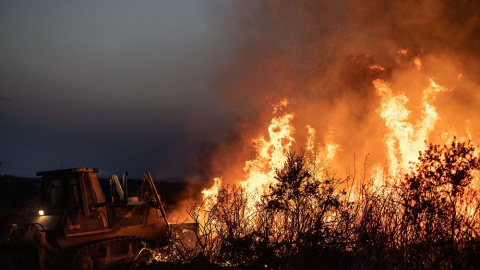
(404, 139)
(271, 155)
(210, 194)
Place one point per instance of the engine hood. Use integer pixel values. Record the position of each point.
(47, 222)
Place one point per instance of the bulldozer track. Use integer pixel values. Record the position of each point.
(106, 253)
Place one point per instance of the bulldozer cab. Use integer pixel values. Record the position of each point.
(72, 201)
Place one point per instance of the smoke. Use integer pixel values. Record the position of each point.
(323, 56)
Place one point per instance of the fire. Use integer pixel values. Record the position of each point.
(392, 192)
(319, 157)
(405, 139)
(418, 63)
(210, 194)
(271, 155)
(377, 67)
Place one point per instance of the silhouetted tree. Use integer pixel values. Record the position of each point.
(303, 212)
(433, 191)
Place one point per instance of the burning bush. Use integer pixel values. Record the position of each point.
(301, 212)
(428, 219)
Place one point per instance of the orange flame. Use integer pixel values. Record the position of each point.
(403, 139)
(271, 155)
(210, 194)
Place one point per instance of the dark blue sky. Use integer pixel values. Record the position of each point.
(117, 85)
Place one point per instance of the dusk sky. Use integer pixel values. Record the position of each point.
(117, 85)
(181, 88)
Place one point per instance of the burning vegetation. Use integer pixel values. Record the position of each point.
(420, 209)
(394, 86)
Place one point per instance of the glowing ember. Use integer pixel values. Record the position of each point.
(418, 62)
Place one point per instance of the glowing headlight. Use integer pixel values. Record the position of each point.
(41, 213)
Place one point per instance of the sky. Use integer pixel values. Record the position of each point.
(182, 88)
(114, 85)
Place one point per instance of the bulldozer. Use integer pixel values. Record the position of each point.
(77, 228)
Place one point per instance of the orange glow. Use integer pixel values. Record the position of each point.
(271, 154)
(210, 194)
(403, 134)
(418, 62)
(404, 138)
